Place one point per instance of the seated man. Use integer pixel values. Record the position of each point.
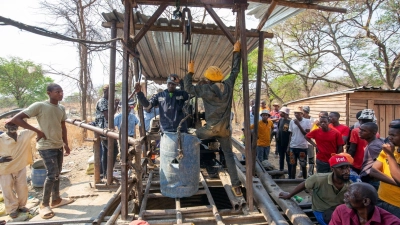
(360, 208)
(386, 169)
(328, 188)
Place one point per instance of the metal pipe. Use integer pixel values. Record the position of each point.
(107, 206)
(114, 216)
(111, 98)
(265, 204)
(124, 125)
(211, 201)
(104, 132)
(97, 157)
(146, 192)
(289, 207)
(225, 180)
(178, 211)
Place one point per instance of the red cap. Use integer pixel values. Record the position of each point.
(139, 222)
(338, 160)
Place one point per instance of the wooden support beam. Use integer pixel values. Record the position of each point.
(194, 30)
(267, 15)
(149, 23)
(220, 24)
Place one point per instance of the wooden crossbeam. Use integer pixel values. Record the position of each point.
(194, 30)
(230, 4)
(267, 15)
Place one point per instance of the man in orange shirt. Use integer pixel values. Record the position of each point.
(265, 127)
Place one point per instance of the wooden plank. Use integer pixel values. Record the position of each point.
(389, 116)
(375, 95)
(387, 102)
(359, 101)
(381, 120)
(370, 103)
(397, 112)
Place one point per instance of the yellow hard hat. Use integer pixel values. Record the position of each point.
(214, 73)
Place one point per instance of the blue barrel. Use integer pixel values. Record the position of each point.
(38, 173)
(178, 180)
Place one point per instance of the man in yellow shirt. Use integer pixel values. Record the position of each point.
(15, 155)
(265, 127)
(386, 169)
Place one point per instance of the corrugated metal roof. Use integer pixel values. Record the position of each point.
(352, 90)
(163, 53)
(279, 14)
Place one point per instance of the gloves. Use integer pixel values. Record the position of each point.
(137, 87)
(191, 66)
(236, 47)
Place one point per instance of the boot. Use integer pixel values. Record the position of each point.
(310, 169)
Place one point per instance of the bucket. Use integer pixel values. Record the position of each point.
(178, 180)
(38, 174)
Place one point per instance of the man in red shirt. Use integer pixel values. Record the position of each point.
(360, 208)
(328, 141)
(357, 145)
(343, 129)
(275, 116)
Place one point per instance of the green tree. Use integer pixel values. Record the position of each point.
(23, 80)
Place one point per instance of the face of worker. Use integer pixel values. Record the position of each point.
(282, 114)
(342, 172)
(276, 107)
(394, 136)
(365, 132)
(171, 87)
(263, 105)
(264, 117)
(251, 102)
(298, 115)
(56, 94)
(351, 198)
(333, 118)
(11, 128)
(324, 123)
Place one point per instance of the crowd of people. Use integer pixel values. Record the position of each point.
(354, 166)
(357, 179)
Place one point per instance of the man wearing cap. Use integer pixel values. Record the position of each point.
(328, 188)
(217, 98)
(386, 169)
(132, 120)
(328, 141)
(357, 144)
(170, 102)
(265, 127)
(283, 138)
(101, 122)
(298, 127)
(275, 116)
(360, 208)
(15, 155)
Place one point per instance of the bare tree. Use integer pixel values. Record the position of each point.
(78, 19)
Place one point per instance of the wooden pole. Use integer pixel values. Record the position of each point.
(124, 125)
(246, 102)
(111, 98)
(267, 15)
(221, 24)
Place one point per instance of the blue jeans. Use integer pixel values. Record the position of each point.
(320, 217)
(262, 152)
(53, 159)
(104, 156)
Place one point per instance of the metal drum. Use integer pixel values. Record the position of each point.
(179, 179)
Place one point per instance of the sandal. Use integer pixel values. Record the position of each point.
(46, 213)
(14, 214)
(64, 201)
